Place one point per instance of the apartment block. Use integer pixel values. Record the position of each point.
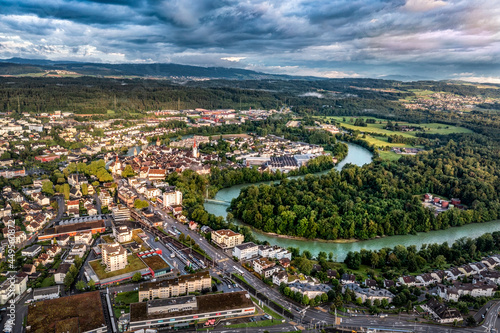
(226, 238)
(181, 285)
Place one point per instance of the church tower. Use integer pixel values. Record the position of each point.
(158, 142)
(195, 150)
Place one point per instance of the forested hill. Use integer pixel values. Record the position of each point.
(17, 66)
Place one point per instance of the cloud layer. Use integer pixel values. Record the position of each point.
(331, 38)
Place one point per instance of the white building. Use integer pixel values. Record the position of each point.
(172, 198)
(122, 234)
(114, 257)
(83, 238)
(78, 250)
(246, 251)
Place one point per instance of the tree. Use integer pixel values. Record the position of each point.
(48, 187)
(66, 191)
(440, 261)
(128, 171)
(137, 277)
(91, 284)
(85, 189)
(140, 204)
(305, 300)
(80, 285)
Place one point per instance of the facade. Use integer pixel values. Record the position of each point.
(122, 234)
(441, 313)
(114, 257)
(84, 238)
(246, 251)
(78, 250)
(121, 213)
(309, 289)
(161, 313)
(181, 285)
(368, 293)
(61, 272)
(6, 291)
(32, 251)
(172, 197)
(259, 265)
(226, 238)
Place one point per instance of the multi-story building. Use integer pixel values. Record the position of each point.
(121, 213)
(114, 257)
(122, 234)
(181, 285)
(172, 197)
(105, 198)
(83, 238)
(186, 311)
(226, 238)
(261, 264)
(246, 251)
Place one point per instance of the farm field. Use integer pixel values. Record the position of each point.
(379, 127)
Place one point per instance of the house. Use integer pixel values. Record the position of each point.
(331, 274)
(72, 205)
(91, 210)
(75, 192)
(9, 289)
(193, 225)
(490, 262)
(408, 280)
(31, 251)
(270, 271)
(78, 250)
(83, 238)
(439, 276)
(61, 272)
(245, 251)
(41, 199)
(29, 269)
(478, 267)
(454, 273)
(388, 284)
(466, 270)
(285, 262)
(441, 313)
(348, 278)
(63, 240)
(54, 250)
(280, 277)
(259, 265)
(152, 192)
(493, 276)
(43, 259)
(19, 237)
(369, 293)
(226, 238)
(370, 283)
(425, 279)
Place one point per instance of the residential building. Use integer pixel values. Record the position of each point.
(84, 238)
(226, 238)
(368, 293)
(310, 289)
(46, 293)
(114, 257)
(61, 272)
(32, 251)
(280, 277)
(78, 250)
(181, 285)
(259, 265)
(172, 197)
(122, 234)
(441, 313)
(121, 213)
(13, 286)
(246, 251)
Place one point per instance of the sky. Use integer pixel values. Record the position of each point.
(431, 39)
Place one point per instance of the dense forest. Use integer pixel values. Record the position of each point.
(384, 197)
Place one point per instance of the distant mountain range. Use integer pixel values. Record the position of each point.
(40, 67)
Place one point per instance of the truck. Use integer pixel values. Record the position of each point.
(172, 255)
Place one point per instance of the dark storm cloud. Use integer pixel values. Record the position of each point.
(327, 37)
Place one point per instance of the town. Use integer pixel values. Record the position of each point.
(97, 226)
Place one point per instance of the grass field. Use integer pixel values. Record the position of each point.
(127, 297)
(379, 127)
(389, 155)
(134, 264)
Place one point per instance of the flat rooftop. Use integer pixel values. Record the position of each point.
(84, 310)
(206, 303)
